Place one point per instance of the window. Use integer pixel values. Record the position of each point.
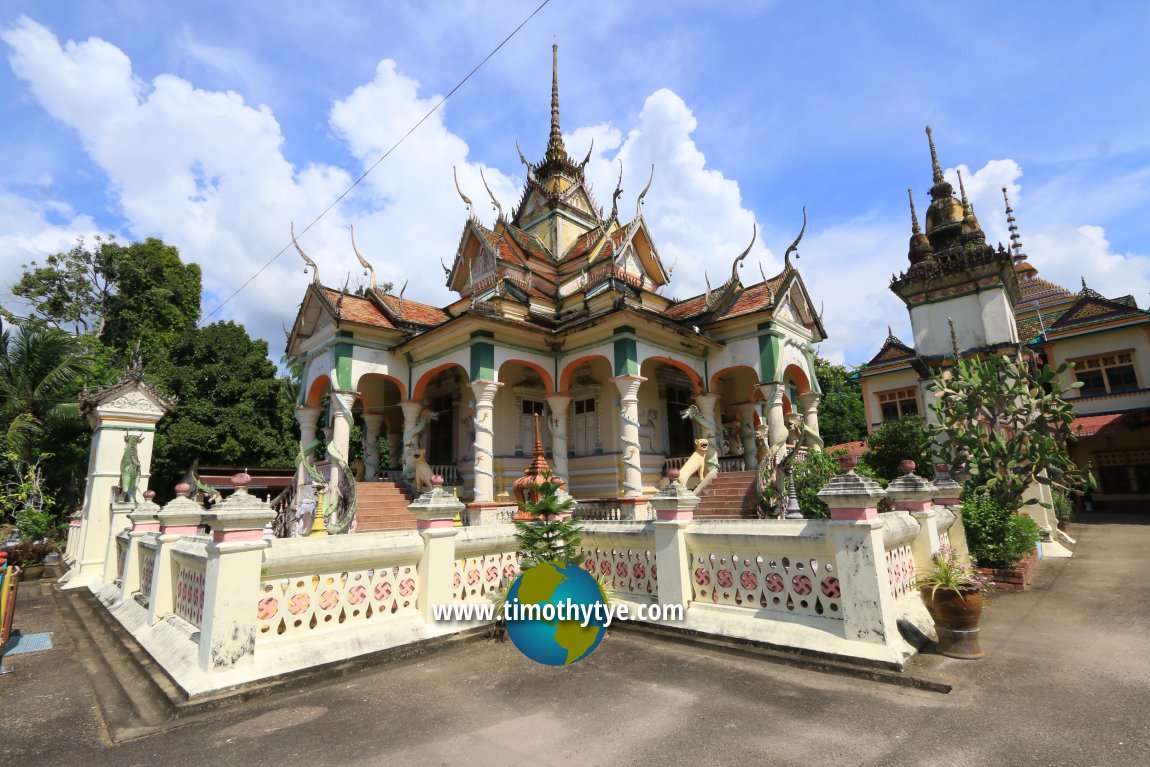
(680, 431)
(1106, 374)
(528, 409)
(585, 436)
(898, 403)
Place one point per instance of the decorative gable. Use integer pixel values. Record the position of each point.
(1092, 309)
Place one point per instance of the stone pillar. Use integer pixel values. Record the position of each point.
(558, 404)
(120, 522)
(860, 559)
(372, 424)
(674, 507)
(180, 517)
(809, 402)
(629, 434)
(144, 521)
(484, 489)
(435, 513)
(747, 435)
(773, 393)
(339, 447)
(232, 578)
(915, 495)
(394, 448)
(713, 431)
(122, 416)
(411, 410)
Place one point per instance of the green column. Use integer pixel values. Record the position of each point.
(626, 352)
(482, 356)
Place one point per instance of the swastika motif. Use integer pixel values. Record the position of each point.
(477, 577)
(758, 582)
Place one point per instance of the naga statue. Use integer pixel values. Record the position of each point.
(773, 470)
(411, 441)
(130, 468)
(339, 502)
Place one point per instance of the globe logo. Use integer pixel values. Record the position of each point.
(555, 614)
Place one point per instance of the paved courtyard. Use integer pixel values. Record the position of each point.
(1066, 681)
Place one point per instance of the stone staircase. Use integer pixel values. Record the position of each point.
(382, 507)
(731, 495)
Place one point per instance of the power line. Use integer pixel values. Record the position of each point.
(373, 166)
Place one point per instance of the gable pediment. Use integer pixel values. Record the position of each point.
(1091, 309)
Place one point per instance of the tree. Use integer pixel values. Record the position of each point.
(1005, 426)
(841, 414)
(548, 537)
(120, 294)
(41, 371)
(230, 410)
(897, 440)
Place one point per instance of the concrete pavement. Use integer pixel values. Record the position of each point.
(1066, 681)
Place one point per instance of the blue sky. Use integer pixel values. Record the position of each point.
(213, 125)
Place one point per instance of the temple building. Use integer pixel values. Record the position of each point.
(561, 314)
(961, 292)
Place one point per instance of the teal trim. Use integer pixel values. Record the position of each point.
(343, 358)
(482, 361)
(810, 355)
(769, 354)
(109, 427)
(483, 334)
(626, 356)
(624, 329)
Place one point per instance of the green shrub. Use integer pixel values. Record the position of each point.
(997, 536)
(810, 475)
(1063, 508)
(895, 441)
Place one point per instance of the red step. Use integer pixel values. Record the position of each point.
(731, 495)
(382, 506)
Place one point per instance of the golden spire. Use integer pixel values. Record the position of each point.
(555, 148)
(914, 227)
(1012, 225)
(938, 177)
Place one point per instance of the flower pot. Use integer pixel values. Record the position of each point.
(956, 615)
(32, 572)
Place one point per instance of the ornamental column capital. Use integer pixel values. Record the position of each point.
(628, 384)
(485, 391)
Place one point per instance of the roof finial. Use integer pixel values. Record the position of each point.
(555, 148)
(743, 255)
(1012, 225)
(938, 177)
(708, 279)
(639, 200)
(307, 261)
(465, 198)
(914, 227)
(615, 196)
(494, 202)
(794, 248)
(367, 267)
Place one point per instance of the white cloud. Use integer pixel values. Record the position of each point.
(695, 213)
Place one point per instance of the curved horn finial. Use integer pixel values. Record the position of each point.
(639, 200)
(743, 255)
(615, 195)
(522, 159)
(368, 269)
(307, 261)
(587, 159)
(494, 202)
(673, 265)
(465, 198)
(795, 245)
(708, 279)
(443, 266)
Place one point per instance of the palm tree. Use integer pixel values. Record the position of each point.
(40, 373)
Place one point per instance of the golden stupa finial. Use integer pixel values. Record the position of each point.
(914, 227)
(966, 206)
(938, 177)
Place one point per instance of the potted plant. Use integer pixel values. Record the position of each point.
(953, 591)
(29, 557)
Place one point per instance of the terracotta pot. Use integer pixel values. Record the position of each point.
(956, 615)
(32, 572)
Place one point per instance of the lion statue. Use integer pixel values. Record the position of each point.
(695, 464)
(421, 479)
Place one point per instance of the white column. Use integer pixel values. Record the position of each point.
(629, 431)
(712, 432)
(558, 404)
(776, 425)
(484, 439)
(372, 424)
(341, 402)
(809, 401)
(394, 445)
(411, 410)
(747, 434)
(306, 417)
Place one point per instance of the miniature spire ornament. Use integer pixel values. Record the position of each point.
(935, 168)
(556, 152)
(1012, 225)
